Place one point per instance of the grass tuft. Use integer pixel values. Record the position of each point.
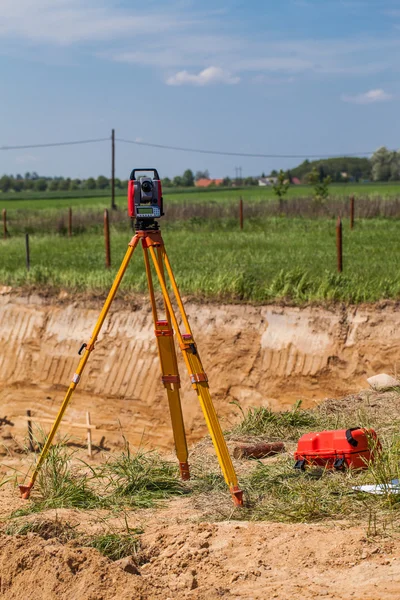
(140, 478)
(288, 425)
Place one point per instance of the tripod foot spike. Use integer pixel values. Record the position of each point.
(25, 491)
(237, 496)
(184, 470)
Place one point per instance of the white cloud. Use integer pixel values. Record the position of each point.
(64, 22)
(208, 76)
(183, 40)
(370, 97)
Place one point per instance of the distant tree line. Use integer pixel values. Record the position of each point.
(38, 183)
(384, 165)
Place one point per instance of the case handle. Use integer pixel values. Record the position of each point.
(352, 441)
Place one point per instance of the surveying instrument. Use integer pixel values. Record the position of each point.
(145, 204)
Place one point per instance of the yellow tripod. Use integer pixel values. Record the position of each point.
(152, 243)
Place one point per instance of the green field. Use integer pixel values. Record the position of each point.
(56, 200)
(276, 259)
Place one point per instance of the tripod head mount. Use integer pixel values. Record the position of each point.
(145, 200)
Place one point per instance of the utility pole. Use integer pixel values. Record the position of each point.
(113, 205)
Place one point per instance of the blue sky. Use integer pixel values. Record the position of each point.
(276, 77)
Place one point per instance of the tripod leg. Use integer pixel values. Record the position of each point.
(198, 378)
(26, 489)
(169, 375)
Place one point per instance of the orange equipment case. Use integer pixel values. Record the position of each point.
(337, 449)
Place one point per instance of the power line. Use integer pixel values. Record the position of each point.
(241, 154)
(184, 149)
(52, 144)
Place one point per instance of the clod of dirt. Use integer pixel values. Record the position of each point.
(128, 565)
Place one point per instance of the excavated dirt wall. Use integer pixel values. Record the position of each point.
(257, 355)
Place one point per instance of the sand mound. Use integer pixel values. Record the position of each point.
(46, 569)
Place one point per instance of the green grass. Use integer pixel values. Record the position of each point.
(63, 200)
(129, 480)
(275, 259)
(288, 425)
(275, 491)
(139, 478)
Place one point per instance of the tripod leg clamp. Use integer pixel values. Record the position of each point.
(198, 377)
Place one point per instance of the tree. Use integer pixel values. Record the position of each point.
(5, 183)
(63, 184)
(177, 181)
(117, 183)
(90, 184)
(40, 184)
(75, 185)
(102, 182)
(321, 185)
(188, 178)
(202, 175)
(280, 188)
(53, 185)
(385, 165)
(18, 184)
(166, 182)
(227, 182)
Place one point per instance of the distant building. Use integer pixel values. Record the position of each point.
(207, 182)
(296, 181)
(263, 181)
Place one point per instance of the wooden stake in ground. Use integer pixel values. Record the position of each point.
(5, 232)
(107, 238)
(241, 212)
(70, 222)
(89, 434)
(339, 245)
(113, 205)
(30, 433)
(352, 212)
(27, 252)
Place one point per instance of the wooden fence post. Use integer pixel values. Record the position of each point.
(107, 238)
(89, 434)
(70, 222)
(27, 252)
(5, 232)
(339, 245)
(241, 212)
(113, 205)
(30, 433)
(351, 211)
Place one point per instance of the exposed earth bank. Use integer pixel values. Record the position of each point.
(256, 355)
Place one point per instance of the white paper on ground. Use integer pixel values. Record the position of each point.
(388, 488)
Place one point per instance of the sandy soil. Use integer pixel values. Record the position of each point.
(266, 355)
(187, 558)
(256, 355)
